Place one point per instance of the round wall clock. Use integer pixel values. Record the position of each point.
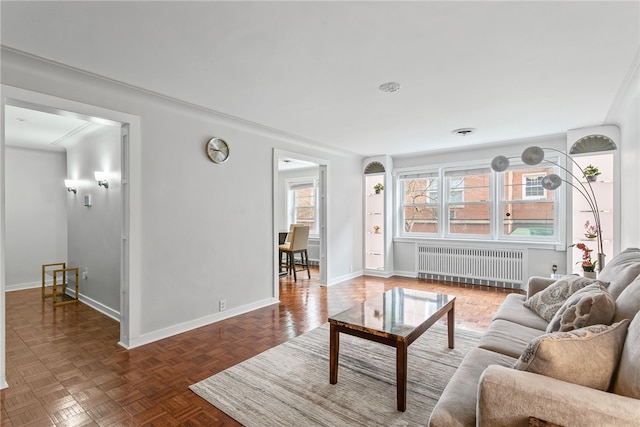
(217, 150)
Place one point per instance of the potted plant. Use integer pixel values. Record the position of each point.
(378, 187)
(591, 173)
(590, 230)
(588, 266)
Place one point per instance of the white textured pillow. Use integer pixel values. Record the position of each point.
(591, 305)
(587, 356)
(548, 301)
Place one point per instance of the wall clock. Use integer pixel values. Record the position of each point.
(217, 150)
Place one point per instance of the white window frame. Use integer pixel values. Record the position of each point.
(447, 203)
(422, 174)
(310, 181)
(496, 222)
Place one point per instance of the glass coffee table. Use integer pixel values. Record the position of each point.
(396, 318)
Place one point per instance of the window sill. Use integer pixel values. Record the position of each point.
(483, 242)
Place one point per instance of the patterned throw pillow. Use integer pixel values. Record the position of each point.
(548, 301)
(587, 356)
(591, 305)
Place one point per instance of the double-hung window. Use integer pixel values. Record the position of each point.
(527, 209)
(468, 202)
(302, 203)
(420, 202)
(473, 202)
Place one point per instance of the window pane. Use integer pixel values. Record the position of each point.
(468, 188)
(469, 219)
(420, 204)
(423, 190)
(528, 219)
(421, 219)
(303, 210)
(522, 184)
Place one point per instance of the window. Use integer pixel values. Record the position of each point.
(302, 203)
(468, 202)
(476, 203)
(420, 202)
(532, 186)
(527, 209)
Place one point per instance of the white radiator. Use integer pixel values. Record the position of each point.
(313, 250)
(505, 268)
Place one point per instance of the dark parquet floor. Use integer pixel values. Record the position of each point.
(65, 368)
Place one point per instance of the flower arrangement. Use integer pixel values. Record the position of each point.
(587, 264)
(590, 230)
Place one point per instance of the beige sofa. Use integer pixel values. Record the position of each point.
(486, 390)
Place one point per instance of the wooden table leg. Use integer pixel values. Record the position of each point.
(450, 323)
(401, 374)
(334, 346)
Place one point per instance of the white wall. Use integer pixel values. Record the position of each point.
(625, 113)
(94, 233)
(202, 221)
(36, 214)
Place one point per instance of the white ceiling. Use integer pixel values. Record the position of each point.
(41, 130)
(510, 69)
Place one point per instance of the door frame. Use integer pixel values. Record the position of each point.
(130, 324)
(323, 179)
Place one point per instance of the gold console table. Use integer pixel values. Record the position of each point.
(58, 275)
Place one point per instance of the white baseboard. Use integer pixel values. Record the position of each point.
(411, 274)
(107, 311)
(3, 383)
(22, 286)
(344, 278)
(197, 323)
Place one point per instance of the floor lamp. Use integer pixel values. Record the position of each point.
(535, 155)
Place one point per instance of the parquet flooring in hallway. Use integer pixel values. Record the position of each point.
(65, 368)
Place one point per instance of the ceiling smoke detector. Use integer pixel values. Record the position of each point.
(389, 87)
(463, 131)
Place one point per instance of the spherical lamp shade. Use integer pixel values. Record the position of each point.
(500, 163)
(551, 182)
(533, 155)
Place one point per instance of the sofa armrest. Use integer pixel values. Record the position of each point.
(537, 283)
(508, 397)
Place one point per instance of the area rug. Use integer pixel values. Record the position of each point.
(288, 385)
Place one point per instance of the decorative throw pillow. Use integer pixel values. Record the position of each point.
(548, 301)
(587, 356)
(627, 382)
(591, 305)
(628, 302)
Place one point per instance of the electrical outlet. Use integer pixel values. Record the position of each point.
(85, 273)
(222, 304)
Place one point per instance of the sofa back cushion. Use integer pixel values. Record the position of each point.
(628, 302)
(621, 270)
(587, 356)
(591, 305)
(627, 380)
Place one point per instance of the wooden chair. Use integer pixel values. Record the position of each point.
(297, 244)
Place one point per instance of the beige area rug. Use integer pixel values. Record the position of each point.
(288, 385)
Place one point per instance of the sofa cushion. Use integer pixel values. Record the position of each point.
(513, 310)
(627, 381)
(591, 305)
(457, 404)
(628, 302)
(587, 356)
(508, 338)
(547, 302)
(621, 271)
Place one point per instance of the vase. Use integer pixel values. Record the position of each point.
(589, 274)
(592, 178)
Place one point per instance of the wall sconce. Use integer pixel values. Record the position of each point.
(101, 178)
(71, 185)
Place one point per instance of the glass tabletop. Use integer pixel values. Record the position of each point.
(398, 311)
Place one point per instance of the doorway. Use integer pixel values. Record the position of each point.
(129, 125)
(293, 171)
